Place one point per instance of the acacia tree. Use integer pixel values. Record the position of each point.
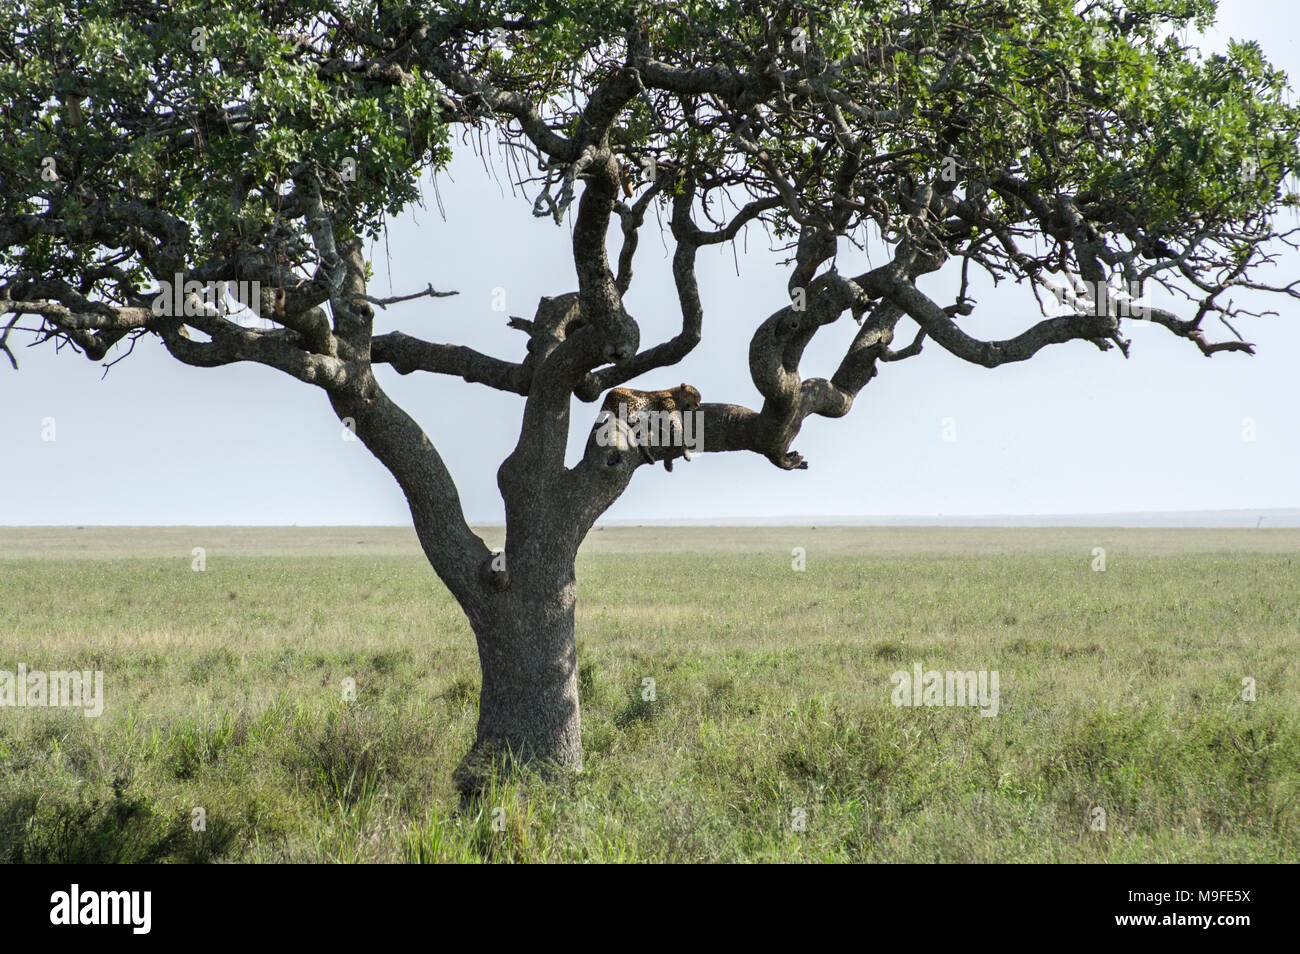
(1066, 147)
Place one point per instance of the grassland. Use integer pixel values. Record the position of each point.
(1119, 689)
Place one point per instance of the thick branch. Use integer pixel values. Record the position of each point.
(406, 354)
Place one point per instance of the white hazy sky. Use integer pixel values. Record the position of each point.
(1073, 431)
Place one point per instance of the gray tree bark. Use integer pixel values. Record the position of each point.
(528, 705)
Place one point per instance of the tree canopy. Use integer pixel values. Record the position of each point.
(142, 140)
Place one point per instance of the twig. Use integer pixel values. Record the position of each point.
(4, 340)
(428, 292)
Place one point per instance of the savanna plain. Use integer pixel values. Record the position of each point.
(312, 689)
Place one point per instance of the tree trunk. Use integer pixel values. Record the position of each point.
(528, 704)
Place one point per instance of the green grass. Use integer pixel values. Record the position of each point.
(224, 691)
